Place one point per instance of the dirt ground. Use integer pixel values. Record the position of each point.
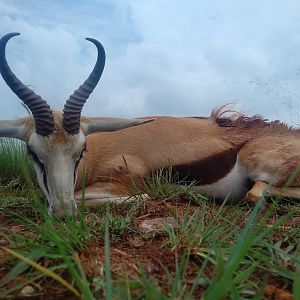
(133, 251)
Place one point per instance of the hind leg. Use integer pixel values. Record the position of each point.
(272, 163)
(261, 189)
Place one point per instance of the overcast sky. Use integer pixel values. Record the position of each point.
(163, 57)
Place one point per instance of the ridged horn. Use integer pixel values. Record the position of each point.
(42, 114)
(73, 107)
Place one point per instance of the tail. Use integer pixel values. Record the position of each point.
(227, 116)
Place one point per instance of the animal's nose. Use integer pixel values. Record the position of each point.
(63, 209)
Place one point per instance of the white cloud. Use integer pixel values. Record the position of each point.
(163, 57)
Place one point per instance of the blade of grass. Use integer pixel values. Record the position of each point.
(18, 269)
(244, 242)
(82, 281)
(108, 280)
(43, 270)
(296, 284)
(23, 283)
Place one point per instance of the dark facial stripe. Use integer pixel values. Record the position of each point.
(209, 170)
(45, 181)
(75, 170)
(33, 155)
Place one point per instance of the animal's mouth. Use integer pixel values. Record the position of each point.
(63, 209)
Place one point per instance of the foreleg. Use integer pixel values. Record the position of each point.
(102, 192)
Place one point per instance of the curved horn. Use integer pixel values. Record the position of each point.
(42, 114)
(73, 106)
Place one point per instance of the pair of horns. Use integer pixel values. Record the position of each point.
(41, 111)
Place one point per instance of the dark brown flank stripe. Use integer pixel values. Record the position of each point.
(209, 170)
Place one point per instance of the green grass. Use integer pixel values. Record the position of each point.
(216, 252)
(15, 166)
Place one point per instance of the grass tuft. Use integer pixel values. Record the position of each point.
(215, 251)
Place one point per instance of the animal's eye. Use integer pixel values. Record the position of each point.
(80, 156)
(77, 161)
(83, 150)
(34, 156)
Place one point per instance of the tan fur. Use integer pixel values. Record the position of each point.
(262, 146)
(58, 136)
(166, 141)
(28, 124)
(278, 155)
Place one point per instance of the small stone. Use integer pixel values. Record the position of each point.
(27, 291)
(3, 242)
(158, 224)
(136, 241)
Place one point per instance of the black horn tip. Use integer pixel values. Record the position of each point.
(73, 106)
(95, 42)
(8, 36)
(92, 40)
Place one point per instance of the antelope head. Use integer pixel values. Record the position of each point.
(56, 140)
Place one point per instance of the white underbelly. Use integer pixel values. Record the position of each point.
(234, 184)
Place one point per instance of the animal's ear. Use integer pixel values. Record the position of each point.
(93, 125)
(13, 129)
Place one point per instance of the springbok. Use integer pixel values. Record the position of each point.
(223, 154)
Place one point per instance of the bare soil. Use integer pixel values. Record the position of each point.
(133, 251)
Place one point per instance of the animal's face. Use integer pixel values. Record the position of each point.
(55, 163)
(56, 140)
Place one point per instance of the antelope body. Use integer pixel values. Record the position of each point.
(222, 154)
